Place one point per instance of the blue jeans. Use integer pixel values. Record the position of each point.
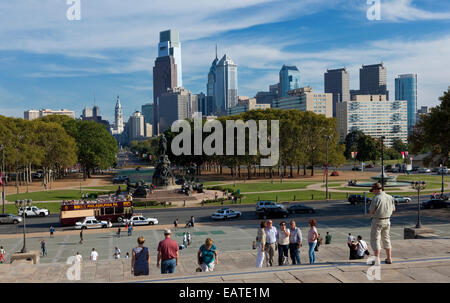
(294, 252)
(312, 256)
(282, 253)
(168, 266)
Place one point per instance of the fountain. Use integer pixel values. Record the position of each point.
(389, 181)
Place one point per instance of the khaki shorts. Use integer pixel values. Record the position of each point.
(380, 233)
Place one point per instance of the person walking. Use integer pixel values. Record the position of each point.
(381, 209)
(175, 223)
(140, 259)
(52, 230)
(312, 240)
(192, 221)
(283, 244)
(260, 242)
(167, 253)
(130, 230)
(78, 258)
(184, 240)
(43, 248)
(295, 242)
(118, 232)
(207, 255)
(94, 255)
(81, 236)
(362, 248)
(189, 238)
(2, 255)
(116, 254)
(353, 246)
(328, 238)
(271, 239)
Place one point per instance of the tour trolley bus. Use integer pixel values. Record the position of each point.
(114, 211)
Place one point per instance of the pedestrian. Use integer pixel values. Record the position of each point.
(216, 196)
(184, 239)
(260, 242)
(382, 207)
(81, 236)
(312, 240)
(207, 255)
(118, 232)
(52, 230)
(43, 248)
(192, 221)
(319, 242)
(167, 254)
(116, 254)
(2, 255)
(295, 242)
(283, 244)
(271, 239)
(353, 246)
(189, 238)
(362, 248)
(175, 223)
(78, 258)
(127, 255)
(328, 238)
(94, 255)
(130, 229)
(140, 259)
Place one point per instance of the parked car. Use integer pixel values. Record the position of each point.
(121, 179)
(400, 199)
(272, 212)
(9, 219)
(334, 174)
(442, 170)
(369, 166)
(356, 168)
(91, 222)
(36, 175)
(266, 204)
(353, 199)
(140, 220)
(300, 209)
(225, 213)
(33, 211)
(435, 203)
(423, 170)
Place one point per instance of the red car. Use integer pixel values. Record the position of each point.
(334, 174)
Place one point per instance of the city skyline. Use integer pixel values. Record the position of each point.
(77, 61)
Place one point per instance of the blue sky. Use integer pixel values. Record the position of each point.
(47, 61)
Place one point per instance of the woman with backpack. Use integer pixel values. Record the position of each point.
(140, 260)
(207, 255)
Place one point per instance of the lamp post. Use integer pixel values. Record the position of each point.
(418, 185)
(3, 178)
(442, 173)
(382, 163)
(23, 204)
(326, 169)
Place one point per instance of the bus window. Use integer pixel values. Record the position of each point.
(103, 211)
(109, 210)
(119, 210)
(96, 212)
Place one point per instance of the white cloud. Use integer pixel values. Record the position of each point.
(401, 10)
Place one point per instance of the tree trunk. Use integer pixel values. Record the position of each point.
(312, 170)
(291, 174)
(249, 169)
(304, 169)
(239, 171)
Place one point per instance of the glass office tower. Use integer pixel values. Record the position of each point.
(289, 79)
(406, 89)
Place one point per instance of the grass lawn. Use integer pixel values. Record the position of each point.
(427, 178)
(267, 186)
(52, 195)
(108, 187)
(53, 207)
(332, 184)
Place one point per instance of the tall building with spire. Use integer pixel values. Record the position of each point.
(210, 87)
(167, 72)
(226, 85)
(118, 126)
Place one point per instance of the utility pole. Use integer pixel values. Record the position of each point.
(3, 178)
(382, 163)
(326, 169)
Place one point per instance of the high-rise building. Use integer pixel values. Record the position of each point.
(167, 70)
(147, 112)
(244, 105)
(275, 89)
(424, 110)
(337, 82)
(226, 86)
(136, 125)
(372, 80)
(93, 114)
(406, 89)
(87, 112)
(304, 99)
(289, 79)
(176, 104)
(375, 116)
(211, 86)
(34, 114)
(117, 127)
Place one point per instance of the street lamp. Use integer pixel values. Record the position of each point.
(3, 177)
(326, 169)
(382, 163)
(418, 185)
(442, 173)
(23, 204)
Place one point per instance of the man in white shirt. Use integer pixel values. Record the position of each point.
(362, 248)
(94, 255)
(78, 258)
(116, 253)
(271, 239)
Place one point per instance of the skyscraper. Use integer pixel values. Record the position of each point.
(289, 79)
(226, 86)
(372, 80)
(406, 89)
(147, 112)
(211, 86)
(167, 70)
(176, 104)
(337, 82)
(136, 126)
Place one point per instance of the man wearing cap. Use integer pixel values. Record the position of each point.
(381, 208)
(167, 253)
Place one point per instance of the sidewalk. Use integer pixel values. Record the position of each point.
(425, 261)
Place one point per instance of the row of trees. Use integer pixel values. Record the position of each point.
(303, 141)
(54, 144)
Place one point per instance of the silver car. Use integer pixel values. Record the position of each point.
(8, 219)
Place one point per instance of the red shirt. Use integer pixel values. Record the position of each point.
(168, 249)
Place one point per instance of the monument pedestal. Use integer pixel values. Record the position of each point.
(32, 256)
(417, 233)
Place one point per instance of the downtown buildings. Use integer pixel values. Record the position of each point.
(35, 114)
(406, 89)
(226, 85)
